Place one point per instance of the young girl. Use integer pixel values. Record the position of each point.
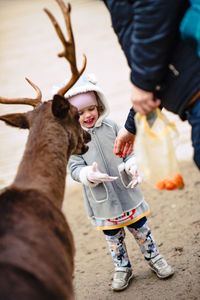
(112, 196)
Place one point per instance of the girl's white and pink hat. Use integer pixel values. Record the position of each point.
(80, 101)
(82, 94)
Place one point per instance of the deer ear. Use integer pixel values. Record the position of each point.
(16, 120)
(60, 106)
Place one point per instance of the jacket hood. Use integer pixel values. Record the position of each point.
(87, 83)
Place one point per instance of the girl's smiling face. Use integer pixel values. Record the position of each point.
(88, 116)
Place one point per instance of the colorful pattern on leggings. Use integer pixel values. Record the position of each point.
(117, 248)
(145, 241)
(143, 238)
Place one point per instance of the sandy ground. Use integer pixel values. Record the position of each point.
(29, 47)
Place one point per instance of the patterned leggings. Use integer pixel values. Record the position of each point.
(142, 234)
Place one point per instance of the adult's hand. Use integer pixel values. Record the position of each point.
(143, 101)
(124, 143)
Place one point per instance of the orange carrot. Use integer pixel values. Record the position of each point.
(160, 185)
(178, 179)
(169, 184)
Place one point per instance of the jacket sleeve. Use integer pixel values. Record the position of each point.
(130, 123)
(75, 165)
(147, 31)
(79, 169)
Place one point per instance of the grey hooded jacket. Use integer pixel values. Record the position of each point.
(107, 199)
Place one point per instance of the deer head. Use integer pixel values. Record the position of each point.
(53, 111)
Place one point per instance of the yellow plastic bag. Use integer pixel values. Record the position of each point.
(155, 151)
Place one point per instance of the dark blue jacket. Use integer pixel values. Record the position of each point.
(148, 32)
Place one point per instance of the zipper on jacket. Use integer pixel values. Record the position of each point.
(99, 147)
(174, 70)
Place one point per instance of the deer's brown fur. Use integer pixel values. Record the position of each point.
(36, 243)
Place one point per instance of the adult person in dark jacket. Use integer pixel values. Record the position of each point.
(165, 70)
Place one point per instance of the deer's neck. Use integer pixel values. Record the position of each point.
(44, 163)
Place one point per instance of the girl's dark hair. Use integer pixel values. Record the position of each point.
(100, 106)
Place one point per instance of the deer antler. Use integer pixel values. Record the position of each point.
(29, 101)
(69, 46)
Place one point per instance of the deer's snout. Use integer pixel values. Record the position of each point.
(84, 149)
(86, 137)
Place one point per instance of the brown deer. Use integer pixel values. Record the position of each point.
(36, 244)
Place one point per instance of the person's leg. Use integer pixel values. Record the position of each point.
(149, 249)
(193, 116)
(144, 238)
(116, 244)
(123, 271)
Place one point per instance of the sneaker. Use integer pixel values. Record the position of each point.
(159, 265)
(121, 278)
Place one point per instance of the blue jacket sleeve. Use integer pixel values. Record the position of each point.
(130, 123)
(147, 31)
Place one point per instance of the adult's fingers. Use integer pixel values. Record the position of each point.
(128, 149)
(146, 107)
(118, 147)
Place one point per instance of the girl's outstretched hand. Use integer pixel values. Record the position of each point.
(95, 176)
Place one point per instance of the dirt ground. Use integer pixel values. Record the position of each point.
(175, 223)
(29, 47)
